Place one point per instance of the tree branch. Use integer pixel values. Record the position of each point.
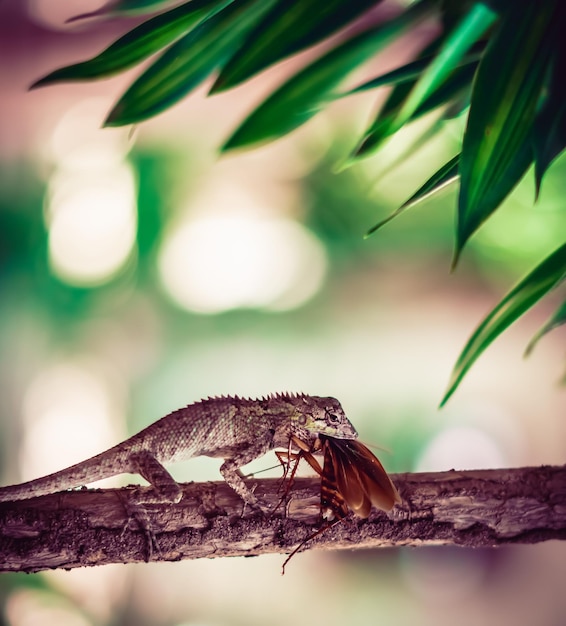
(95, 527)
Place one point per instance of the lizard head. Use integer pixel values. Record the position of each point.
(320, 416)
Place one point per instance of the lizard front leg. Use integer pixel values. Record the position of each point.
(230, 470)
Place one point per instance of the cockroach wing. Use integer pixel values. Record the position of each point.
(360, 477)
(331, 498)
(378, 486)
(348, 480)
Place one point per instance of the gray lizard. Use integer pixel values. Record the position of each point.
(236, 429)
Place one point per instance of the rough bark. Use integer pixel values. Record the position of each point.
(95, 527)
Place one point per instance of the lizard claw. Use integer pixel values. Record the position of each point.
(254, 503)
(256, 507)
(136, 511)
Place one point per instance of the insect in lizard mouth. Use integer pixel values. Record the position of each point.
(352, 479)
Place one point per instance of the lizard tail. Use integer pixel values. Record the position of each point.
(104, 465)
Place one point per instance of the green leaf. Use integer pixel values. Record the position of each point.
(133, 7)
(455, 87)
(555, 321)
(409, 72)
(188, 62)
(286, 29)
(402, 89)
(458, 42)
(507, 90)
(446, 175)
(420, 138)
(549, 138)
(138, 44)
(522, 297)
(459, 106)
(123, 8)
(449, 57)
(306, 93)
(405, 73)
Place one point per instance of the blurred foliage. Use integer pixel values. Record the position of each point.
(501, 61)
(157, 170)
(21, 232)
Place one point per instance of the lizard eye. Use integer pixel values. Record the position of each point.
(333, 418)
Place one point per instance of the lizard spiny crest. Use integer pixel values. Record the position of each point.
(310, 416)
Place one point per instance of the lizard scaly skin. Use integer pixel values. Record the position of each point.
(236, 429)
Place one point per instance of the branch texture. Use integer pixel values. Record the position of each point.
(480, 508)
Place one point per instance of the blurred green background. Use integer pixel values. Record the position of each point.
(140, 273)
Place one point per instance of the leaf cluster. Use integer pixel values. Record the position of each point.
(501, 63)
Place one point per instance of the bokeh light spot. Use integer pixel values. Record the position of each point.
(90, 206)
(69, 414)
(27, 606)
(462, 447)
(209, 265)
(92, 224)
(78, 141)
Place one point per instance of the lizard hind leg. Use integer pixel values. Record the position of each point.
(165, 487)
(138, 519)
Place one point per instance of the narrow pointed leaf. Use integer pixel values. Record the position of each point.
(522, 297)
(408, 72)
(405, 73)
(134, 7)
(401, 90)
(558, 319)
(446, 175)
(455, 87)
(288, 28)
(506, 93)
(549, 138)
(306, 93)
(459, 106)
(138, 44)
(443, 177)
(421, 138)
(188, 62)
(449, 57)
(123, 8)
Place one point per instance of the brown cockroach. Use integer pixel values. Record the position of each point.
(352, 478)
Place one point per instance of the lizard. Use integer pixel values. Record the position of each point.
(235, 429)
